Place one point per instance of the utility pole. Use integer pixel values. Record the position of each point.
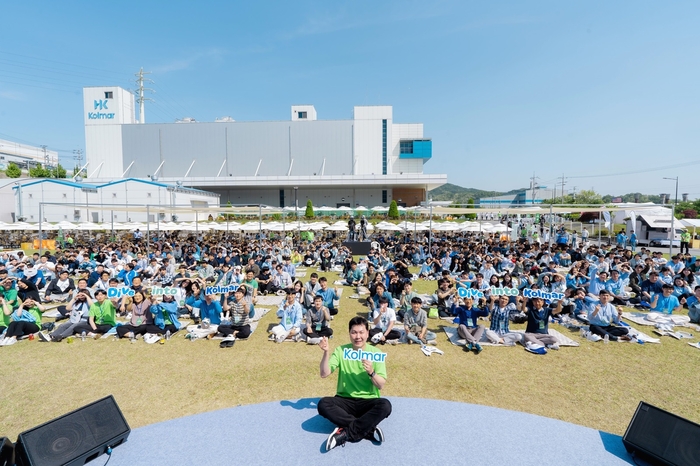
(533, 186)
(141, 98)
(562, 187)
(46, 156)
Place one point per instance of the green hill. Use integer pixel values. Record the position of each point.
(460, 195)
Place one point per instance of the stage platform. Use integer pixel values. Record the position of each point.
(419, 431)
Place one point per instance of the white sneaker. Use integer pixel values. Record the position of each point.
(554, 346)
(10, 341)
(3, 341)
(377, 338)
(313, 341)
(392, 342)
(43, 336)
(280, 338)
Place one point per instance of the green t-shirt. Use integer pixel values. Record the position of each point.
(36, 313)
(9, 296)
(252, 283)
(103, 314)
(353, 380)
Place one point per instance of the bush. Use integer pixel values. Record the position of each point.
(393, 210)
(309, 209)
(13, 171)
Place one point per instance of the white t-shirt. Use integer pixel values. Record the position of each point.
(386, 318)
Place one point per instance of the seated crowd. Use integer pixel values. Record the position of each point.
(592, 279)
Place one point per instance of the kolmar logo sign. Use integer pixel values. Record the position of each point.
(100, 105)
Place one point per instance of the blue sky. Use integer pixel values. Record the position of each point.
(504, 88)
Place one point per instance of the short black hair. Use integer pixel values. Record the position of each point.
(416, 300)
(358, 320)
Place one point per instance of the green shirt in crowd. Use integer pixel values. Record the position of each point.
(103, 313)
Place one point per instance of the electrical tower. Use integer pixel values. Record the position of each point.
(46, 156)
(141, 79)
(534, 186)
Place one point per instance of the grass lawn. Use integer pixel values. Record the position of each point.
(595, 385)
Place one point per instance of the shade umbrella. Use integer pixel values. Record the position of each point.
(337, 228)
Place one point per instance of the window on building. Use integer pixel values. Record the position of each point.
(384, 158)
(384, 196)
(406, 147)
(109, 95)
(303, 115)
(281, 197)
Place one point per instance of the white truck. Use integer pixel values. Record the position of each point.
(654, 230)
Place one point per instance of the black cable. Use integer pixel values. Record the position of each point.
(109, 455)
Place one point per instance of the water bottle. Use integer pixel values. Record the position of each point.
(606, 339)
(83, 335)
(167, 335)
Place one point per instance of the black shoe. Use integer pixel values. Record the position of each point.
(337, 438)
(377, 435)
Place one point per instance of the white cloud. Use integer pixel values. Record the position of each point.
(12, 95)
(179, 64)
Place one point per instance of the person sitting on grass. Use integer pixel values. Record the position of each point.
(317, 322)
(210, 309)
(101, 317)
(354, 275)
(373, 301)
(604, 319)
(164, 316)
(60, 288)
(240, 312)
(328, 295)
(141, 317)
(78, 312)
(501, 310)
(415, 324)
(357, 409)
(469, 327)
(693, 303)
(406, 300)
(537, 329)
(384, 320)
(26, 319)
(290, 316)
(665, 302)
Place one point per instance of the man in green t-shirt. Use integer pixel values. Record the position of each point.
(357, 408)
(101, 316)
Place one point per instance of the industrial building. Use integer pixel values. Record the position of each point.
(367, 160)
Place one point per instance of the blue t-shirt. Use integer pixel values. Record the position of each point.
(666, 304)
(211, 311)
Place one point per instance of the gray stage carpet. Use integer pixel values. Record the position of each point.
(419, 431)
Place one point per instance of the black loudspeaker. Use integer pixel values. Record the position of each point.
(660, 437)
(7, 452)
(358, 248)
(74, 438)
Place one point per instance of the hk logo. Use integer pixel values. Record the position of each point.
(101, 105)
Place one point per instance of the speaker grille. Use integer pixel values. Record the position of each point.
(665, 436)
(74, 435)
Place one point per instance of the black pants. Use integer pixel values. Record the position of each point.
(358, 416)
(20, 328)
(324, 332)
(685, 244)
(152, 328)
(611, 331)
(393, 334)
(136, 329)
(85, 327)
(243, 330)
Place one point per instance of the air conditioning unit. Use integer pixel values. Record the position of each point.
(76, 213)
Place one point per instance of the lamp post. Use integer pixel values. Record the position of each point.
(676, 180)
(296, 206)
(672, 233)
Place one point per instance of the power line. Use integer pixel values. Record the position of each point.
(684, 164)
